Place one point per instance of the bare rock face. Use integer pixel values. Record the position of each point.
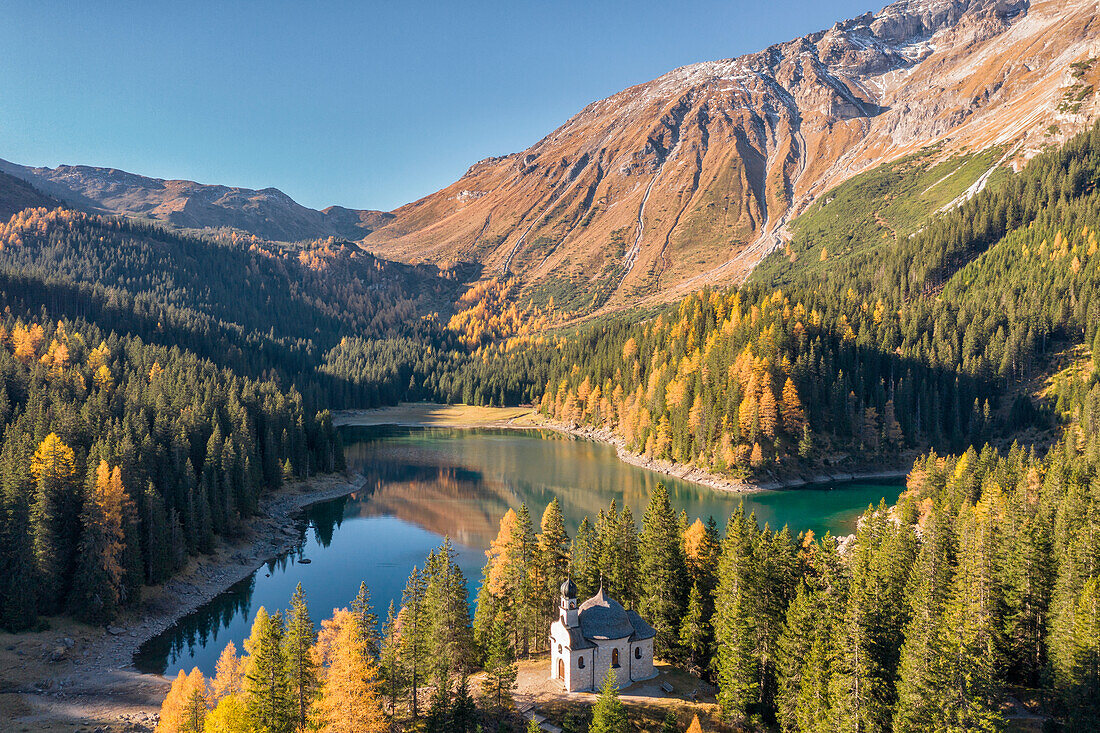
(691, 177)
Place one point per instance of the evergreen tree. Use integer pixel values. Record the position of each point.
(1084, 695)
(500, 667)
(368, 620)
(55, 517)
(463, 709)
(449, 635)
(966, 676)
(917, 695)
(98, 588)
(301, 669)
(792, 654)
(663, 572)
(608, 714)
(412, 637)
(695, 633)
(18, 568)
(270, 704)
(553, 561)
(390, 663)
(734, 628)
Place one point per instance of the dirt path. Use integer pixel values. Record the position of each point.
(77, 677)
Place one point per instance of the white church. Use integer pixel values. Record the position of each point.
(601, 635)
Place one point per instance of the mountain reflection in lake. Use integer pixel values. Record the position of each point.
(423, 484)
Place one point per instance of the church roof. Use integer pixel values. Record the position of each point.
(577, 640)
(642, 630)
(602, 617)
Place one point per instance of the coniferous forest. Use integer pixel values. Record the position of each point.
(974, 595)
(155, 385)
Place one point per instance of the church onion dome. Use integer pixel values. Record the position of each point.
(604, 618)
(569, 589)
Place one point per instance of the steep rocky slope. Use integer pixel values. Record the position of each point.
(269, 213)
(691, 178)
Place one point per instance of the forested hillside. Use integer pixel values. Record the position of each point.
(910, 341)
(120, 458)
(971, 602)
(153, 386)
(247, 304)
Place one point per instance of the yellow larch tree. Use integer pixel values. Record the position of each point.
(794, 417)
(184, 708)
(349, 701)
(769, 418)
(228, 673)
(499, 553)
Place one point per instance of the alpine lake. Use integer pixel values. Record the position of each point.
(423, 484)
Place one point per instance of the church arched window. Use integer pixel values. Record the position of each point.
(637, 652)
(614, 657)
(580, 662)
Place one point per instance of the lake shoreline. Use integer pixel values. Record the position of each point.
(94, 680)
(423, 414)
(87, 676)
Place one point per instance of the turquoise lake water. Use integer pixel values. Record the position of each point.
(421, 484)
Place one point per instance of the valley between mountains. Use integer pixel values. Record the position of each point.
(870, 251)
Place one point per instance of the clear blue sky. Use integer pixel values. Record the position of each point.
(363, 104)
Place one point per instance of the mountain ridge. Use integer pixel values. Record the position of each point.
(694, 175)
(267, 213)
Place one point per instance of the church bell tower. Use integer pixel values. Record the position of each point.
(568, 609)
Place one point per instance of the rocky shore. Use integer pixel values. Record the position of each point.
(75, 677)
(694, 474)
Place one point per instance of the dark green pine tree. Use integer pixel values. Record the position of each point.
(414, 644)
(18, 572)
(438, 717)
(773, 584)
(271, 706)
(368, 620)
(918, 668)
(1027, 578)
(301, 669)
(55, 520)
(463, 709)
(967, 681)
(500, 668)
(662, 573)
(486, 607)
(586, 559)
(608, 714)
(1084, 695)
(695, 636)
(449, 635)
(94, 595)
(735, 665)
(865, 671)
(553, 561)
(793, 647)
(625, 561)
(390, 666)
